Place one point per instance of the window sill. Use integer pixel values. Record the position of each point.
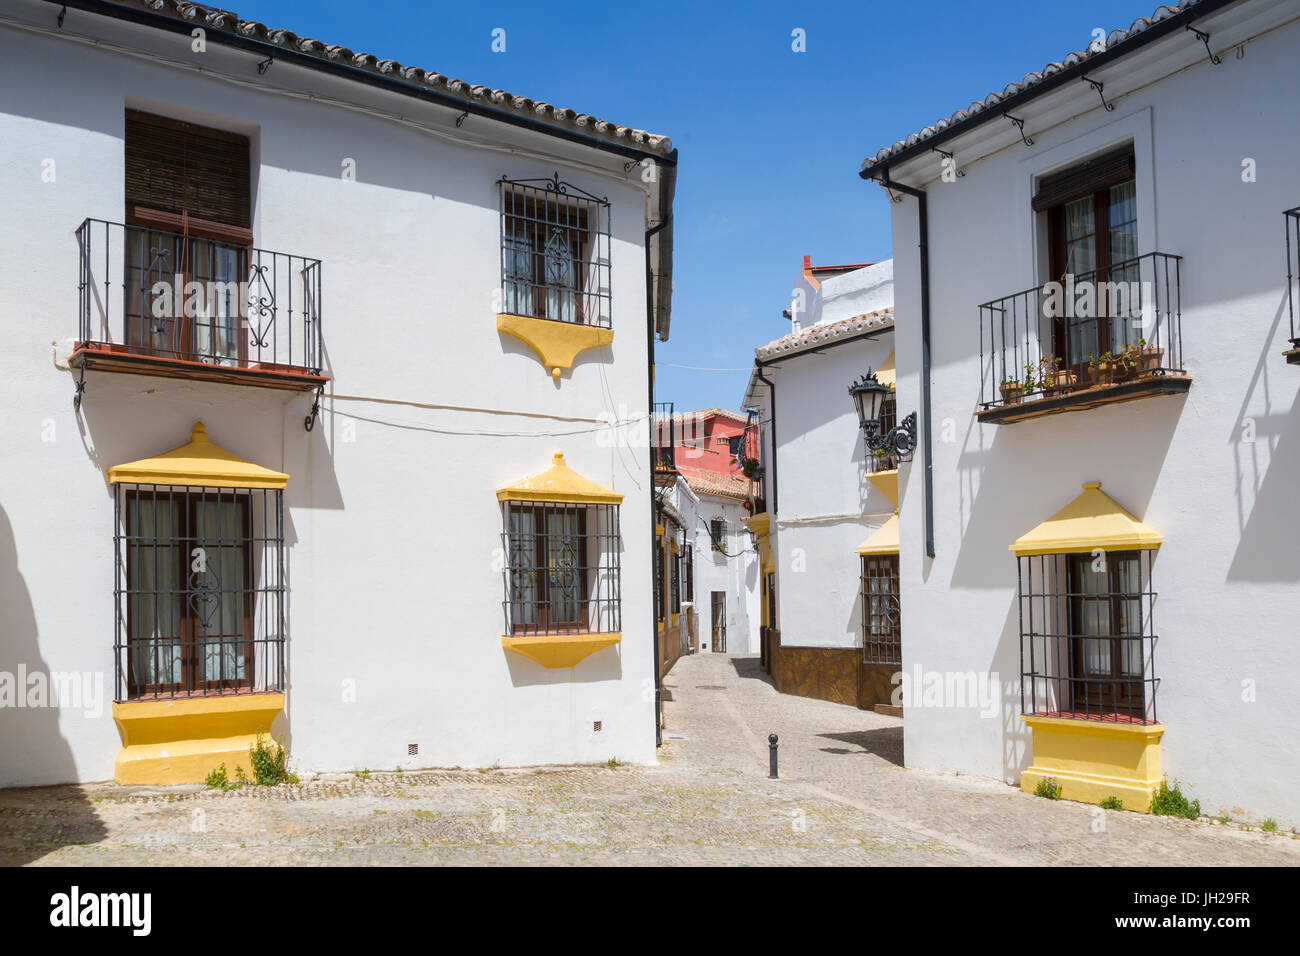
(1292, 356)
(560, 650)
(556, 343)
(180, 741)
(1006, 413)
(1095, 759)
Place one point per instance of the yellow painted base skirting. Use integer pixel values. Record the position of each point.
(1093, 760)
(560, 650)
(181, 741)
(556, 343)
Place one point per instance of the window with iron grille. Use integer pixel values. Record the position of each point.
(659, 580)
(555, 251)
(199, 591)
(1087, 637)
(562, 568)
(885, 458)
(690, 574)
(718, 533)
(881, 636)
(675, 588)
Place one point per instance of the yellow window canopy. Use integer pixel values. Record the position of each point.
(1091, 521)
(887, 374)
(884, 540)
(198, 464)
(559, 483)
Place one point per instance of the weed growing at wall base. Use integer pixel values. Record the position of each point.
(1169, 801)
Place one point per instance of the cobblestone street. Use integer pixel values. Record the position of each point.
(842, 798)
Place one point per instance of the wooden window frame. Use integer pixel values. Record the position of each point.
(1105, 699)
(190, 646)
(543, 624)
(537, 230)
(189, 228)
(1094, 178)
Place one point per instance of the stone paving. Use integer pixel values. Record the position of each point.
(842, 799)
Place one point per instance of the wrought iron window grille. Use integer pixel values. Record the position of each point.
(199, 591)
(1087, 636)
(881, 635)
(555, 251)
(563, 566)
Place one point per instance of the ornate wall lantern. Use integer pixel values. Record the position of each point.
(869, 395)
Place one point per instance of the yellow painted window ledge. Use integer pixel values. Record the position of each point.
(556, 343)
(560, 650)
(179, 741)
(1094, 759)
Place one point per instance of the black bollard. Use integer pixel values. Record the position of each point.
(771, 756)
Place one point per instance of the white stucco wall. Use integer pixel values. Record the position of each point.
(393, 528)
(824, 507)
(734, 573)
(1228, 574)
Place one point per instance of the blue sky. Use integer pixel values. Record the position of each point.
(770, 140)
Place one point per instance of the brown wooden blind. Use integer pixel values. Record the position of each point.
(178, 167)
(1097, 173)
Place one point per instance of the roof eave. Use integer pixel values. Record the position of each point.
(874, 167)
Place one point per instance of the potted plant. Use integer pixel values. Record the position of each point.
(748, 467)
(1013, 390)
(1010, 389)
(1054, 379)
(1147, 358)
(1102, 369)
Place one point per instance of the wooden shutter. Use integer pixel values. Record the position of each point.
(184, 169)
(1097, 173)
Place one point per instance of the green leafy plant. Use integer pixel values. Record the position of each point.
(364, 773)
(1112, 803)
(612, 762)
(1169, 801)
(270, 762)
(1048, 788)
(1224, 818)
(217, 779)
(241, 778)
(1269, 825)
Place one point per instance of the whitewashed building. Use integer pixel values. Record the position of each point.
(825, 524)
(363, 481)
(725, 564)
(1099, 531)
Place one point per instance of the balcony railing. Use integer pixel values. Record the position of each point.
(1292, 219)
(1101, 336)
(664, 440)
(180, 305)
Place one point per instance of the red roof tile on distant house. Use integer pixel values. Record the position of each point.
(712, 483)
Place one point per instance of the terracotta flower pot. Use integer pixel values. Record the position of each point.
(1011, 394)
(1150, 359)
(1060, 382)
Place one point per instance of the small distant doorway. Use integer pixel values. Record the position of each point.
(719, 622)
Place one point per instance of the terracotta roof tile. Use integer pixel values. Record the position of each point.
(815, 335)
(559, 116)
(713, 483)
(999, 99)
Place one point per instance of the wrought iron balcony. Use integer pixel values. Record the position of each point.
(1105, 336)
(1292, 219)
(664, 439)
(188, 306)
